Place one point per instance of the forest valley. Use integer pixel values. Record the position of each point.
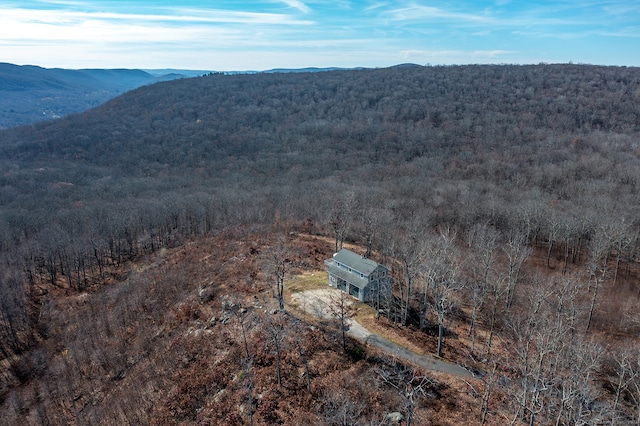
(144, 244)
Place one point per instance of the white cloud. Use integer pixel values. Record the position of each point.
(417, 12)
(181, 16)
(538, 16)
(375, 6)
(632, 32)
(71, 34)
(296, 4)
(290, 33)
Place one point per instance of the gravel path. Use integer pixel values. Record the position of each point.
(316, 302)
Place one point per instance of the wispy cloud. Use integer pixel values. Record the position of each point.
(633, 32)
(375, 6)
(297, 5)
(503, 15)
(235, 34)
(166, 35)
(418, 13)
(178, 15)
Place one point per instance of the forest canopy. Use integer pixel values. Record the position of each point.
(442, 136)
(456, 145)
(548, 152)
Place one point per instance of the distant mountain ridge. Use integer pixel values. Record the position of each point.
(29, 94)
(309, 69)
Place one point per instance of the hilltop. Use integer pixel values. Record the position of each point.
(29, 94)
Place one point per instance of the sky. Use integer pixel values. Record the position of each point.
(228, 35)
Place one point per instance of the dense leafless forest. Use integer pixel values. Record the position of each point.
(504, 198)
(30, 94)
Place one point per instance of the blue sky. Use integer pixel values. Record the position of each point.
(258, 35)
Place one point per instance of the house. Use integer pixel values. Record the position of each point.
(362, 278)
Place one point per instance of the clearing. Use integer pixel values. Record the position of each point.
(316, 301)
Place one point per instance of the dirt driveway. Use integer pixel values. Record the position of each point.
(317, 302)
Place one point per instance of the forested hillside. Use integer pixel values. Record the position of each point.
(505, 199)
(30, 94)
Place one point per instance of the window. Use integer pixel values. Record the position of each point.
(354, 291)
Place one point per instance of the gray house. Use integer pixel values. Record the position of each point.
(360, 277)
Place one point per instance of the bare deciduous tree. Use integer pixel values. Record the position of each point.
(341, 410)
(341, 308)
(299, 336)
(626, 384)
(279, 263)
(342, 215)
(410, 383)
(277, 332)
(489, 380)
(621, 239)
(597, 266)
(482, 241)
(530, 351)
(249, 380)
(577, 391)
(442, 273)
(517, 252)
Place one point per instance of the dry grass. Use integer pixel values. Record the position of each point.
(310, 280)
(389, 331)
(364, 311)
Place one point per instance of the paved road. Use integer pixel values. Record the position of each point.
(316, 302)
(427, 361)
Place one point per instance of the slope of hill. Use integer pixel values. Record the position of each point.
(29, 94)
(503, 198)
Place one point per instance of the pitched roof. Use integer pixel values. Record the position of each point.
(348, 276)
(355, 261)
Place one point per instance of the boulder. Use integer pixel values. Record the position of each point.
(394, 418)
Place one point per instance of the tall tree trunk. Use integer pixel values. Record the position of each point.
(593, 303)
(618, 255)
(566, 255)
(440, 336)
(597, 282)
